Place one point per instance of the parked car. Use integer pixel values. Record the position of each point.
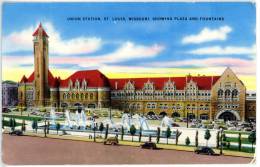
(149, 145)
(175, 125)
(16, 133)
(111, 141)
(204, 150)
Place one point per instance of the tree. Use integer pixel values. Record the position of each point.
(207, 135)
(150, 138)
(14, 124)
(122, 133)
(48, 127)
(187, 141)
(158, 135)
(239, 141)
(252, 139)
(168, 133)
(101, 127)
(197, 138)
(178, 134)
(45, 128)
(217, 139)
(140, 134)
(23, 126)
(11, 124)
(3, 123)
(57, 127)
(94, 130)
(34, 125)
(132, 131)
(106, 134)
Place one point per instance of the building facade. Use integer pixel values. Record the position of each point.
(202, 97)
(9, 94)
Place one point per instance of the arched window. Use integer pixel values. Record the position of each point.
(220, 93)
(86, 95)
(234, 93)
(91, 96)
(82, 96)
(77, 96)
(64, 96)
(68, 96)
(73, 96)
(227, 93)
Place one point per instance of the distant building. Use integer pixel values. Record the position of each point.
(9, 94)
(202, 97)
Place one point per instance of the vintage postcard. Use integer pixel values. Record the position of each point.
(110, 83)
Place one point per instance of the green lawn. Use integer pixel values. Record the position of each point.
(236, 132)
(243, 149)
(30, 118)
(235, 139)
(6, 123)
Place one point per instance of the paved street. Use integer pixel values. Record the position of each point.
(34, 150)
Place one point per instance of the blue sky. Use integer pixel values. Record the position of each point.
(132, 47)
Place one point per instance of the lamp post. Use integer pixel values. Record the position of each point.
(45, 128)
(187, 115)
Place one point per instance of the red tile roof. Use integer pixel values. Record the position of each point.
(203, 82)
(94, 78)
(52, 81)
(37, 31)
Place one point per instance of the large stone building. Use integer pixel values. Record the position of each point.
(203, 97)
(9, 94)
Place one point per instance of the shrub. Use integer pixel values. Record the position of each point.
(132, 131)
(207, 135)
(187, 141)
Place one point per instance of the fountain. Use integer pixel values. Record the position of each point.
(166, 122)
(68, 119)
(83, 119)
(136, 120)
(125, 121)
(52, 116)
(110, 122)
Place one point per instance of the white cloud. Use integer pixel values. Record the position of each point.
(242, 66)
(22, 41)
(130, 50)
(228, 50)
(127, 51)
(207, 35)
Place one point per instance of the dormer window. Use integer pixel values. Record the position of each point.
(148, 85)
(84, 84)
(70, 84)
(129, 86)
(77, 85)
(169, 85)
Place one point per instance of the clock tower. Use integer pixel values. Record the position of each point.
(41, 67)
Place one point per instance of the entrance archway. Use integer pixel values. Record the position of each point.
(163, 113)
(150, 113)
(228, 115)
(175, 114)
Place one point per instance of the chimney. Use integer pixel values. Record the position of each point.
(116, 85)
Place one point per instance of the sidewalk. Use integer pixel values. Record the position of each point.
(137, 144)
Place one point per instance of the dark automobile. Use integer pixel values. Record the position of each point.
(204, 150)
(16, 133)
(149, 145)
(175, 125)
(111, 141)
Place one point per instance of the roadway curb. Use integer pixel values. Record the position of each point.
(63, 137)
